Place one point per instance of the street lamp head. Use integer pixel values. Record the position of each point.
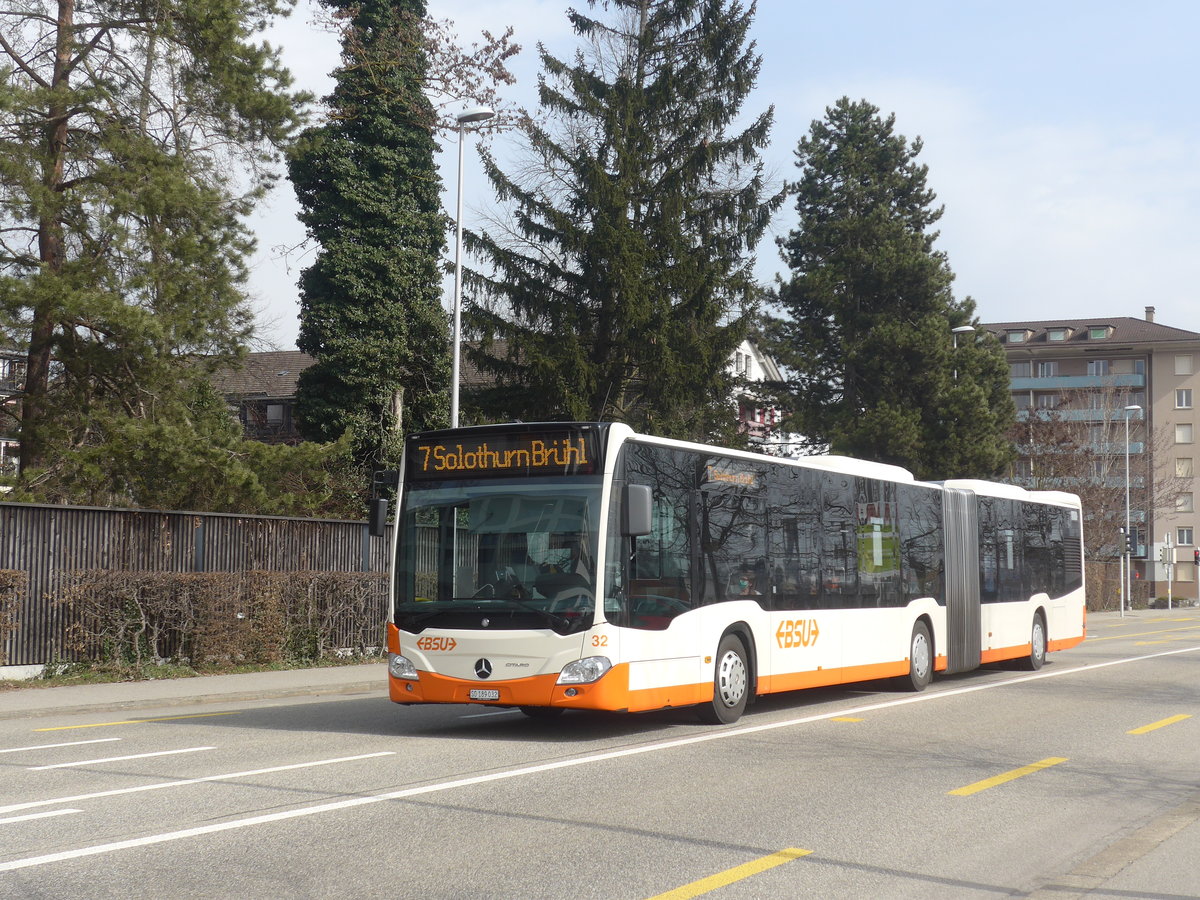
(1132, 409)
(475, 114)
(962, 329)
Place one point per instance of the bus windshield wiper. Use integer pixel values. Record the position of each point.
(553, 618)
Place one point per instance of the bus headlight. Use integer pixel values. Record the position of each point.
(401, 667)
(584, 671)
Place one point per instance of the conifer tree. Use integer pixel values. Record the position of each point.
(865, 337)
(371, 309)
(623, 282)
(134, 138)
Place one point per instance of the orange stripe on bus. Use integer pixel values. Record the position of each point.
(793, 681)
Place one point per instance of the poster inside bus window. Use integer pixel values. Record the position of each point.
(504, 455)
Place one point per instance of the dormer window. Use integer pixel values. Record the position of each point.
(1098, 332)
(1058, 334)
(1017, 337)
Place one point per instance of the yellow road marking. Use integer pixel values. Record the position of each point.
(729, 876)
(844, 719)
(1115, 637)
(138, 721)
(1007, 776)
(1161, 723)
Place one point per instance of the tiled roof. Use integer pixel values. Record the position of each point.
(270, 374)
(1125, 330)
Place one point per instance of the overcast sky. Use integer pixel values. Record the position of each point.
(1062, 138)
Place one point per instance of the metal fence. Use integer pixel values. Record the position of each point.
(52, 544)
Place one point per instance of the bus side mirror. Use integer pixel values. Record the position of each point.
(636, 502)
(378, 517)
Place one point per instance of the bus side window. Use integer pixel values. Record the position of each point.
(733, 560)
(658, 578)
(793, 535)
(839, 550)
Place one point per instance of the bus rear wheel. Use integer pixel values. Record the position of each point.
(920, 660)
(1037, 645)
(731, 684)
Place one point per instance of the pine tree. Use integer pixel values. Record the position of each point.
(371, 308)
(624, 282)
(865, 335)
(134, 138)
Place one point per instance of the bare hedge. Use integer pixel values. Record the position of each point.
(223, 617)
(12, 591)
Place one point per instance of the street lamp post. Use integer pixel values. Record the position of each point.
(1127, 549)
(465, 118)
(955, 332)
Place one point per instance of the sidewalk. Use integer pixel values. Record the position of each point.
(88, 698)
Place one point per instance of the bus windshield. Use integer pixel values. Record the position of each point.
(498, 555)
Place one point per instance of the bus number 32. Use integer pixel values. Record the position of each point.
(797, 633)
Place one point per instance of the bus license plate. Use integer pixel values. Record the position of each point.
(484, 695)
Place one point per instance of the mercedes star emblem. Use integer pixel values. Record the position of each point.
(483, 668)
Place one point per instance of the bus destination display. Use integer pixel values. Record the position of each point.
(503, 455)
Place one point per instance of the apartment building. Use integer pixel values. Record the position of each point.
(1092, 372)
(12, 382)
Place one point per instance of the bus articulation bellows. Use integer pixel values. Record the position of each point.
(582, 566)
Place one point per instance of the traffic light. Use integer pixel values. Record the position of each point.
(1129, 543)
(1196, 557)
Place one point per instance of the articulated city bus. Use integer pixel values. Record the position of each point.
(583, 566)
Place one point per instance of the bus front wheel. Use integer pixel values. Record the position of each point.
(920, 660)
(731, 684)
(1037, 645)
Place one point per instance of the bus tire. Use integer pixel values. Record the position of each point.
(543, 712)
(1037, 645)
(731, 683)
(920, 660)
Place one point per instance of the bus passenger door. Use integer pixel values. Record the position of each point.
(805, 642)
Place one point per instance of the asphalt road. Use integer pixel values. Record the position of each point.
(1080, 780)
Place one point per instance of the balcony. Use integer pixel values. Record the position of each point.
(1078, 382)
(1076, 415)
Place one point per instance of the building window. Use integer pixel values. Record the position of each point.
(1183, 398)
(1022, 400)
(1023, 468)
(1183, 467)
(1020, 369)
(1098, 367)
(1183, 537)
(1016, 337)
(1183, 364)
(274, 413)
(1056, 334)
(1047, 369)
(1185, 573)
(1183, 503)
(1047, 401)
(1183, 433)
(1139, 367)
(1097, 333)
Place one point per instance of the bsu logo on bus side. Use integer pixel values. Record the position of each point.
(797, 633)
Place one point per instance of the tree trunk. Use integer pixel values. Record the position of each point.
(51, 248)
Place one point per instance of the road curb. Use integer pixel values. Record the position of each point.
(361, 687)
